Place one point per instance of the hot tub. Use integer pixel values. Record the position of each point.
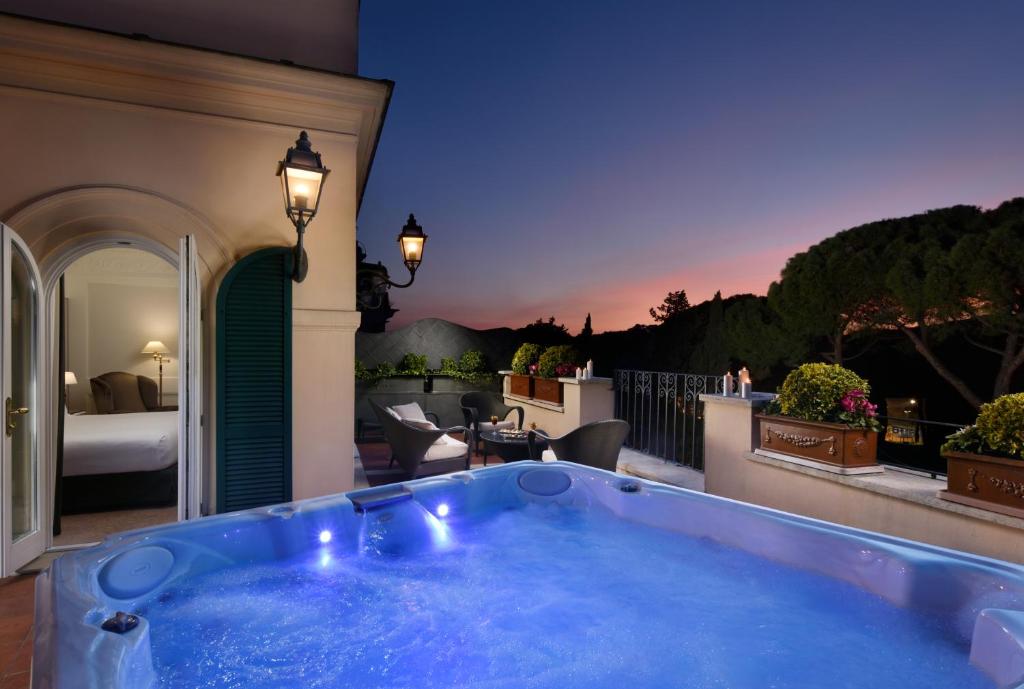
(525, 575)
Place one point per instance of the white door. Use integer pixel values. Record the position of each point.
(190, 383)
(22, 519)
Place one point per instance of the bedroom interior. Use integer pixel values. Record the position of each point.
(118, 442)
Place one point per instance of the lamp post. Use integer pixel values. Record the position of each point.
(302, 174)
(158, 349)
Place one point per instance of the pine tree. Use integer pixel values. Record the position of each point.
(587, 329)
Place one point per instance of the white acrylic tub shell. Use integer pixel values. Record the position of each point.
(984, 597)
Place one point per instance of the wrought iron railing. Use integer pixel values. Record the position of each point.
(664, 413)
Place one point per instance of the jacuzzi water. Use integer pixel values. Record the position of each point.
(513, 588)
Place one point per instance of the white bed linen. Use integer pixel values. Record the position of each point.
(120, 443)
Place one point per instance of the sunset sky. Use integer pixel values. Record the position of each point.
(591, 156)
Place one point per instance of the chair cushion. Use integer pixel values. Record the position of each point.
(487, 426)
(447, 447)
(409, 411)
(426, 426)
(548, 456)
(393, 413)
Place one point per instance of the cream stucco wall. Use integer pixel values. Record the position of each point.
(583, 402)
(730, 471)
(111, 138)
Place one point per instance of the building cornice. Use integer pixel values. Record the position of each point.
(53, 58)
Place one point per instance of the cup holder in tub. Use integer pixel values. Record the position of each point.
(136, 572)
(545, 483)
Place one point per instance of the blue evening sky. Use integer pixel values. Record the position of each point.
(574, 157)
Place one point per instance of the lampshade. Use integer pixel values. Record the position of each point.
(69, 378)
(155, 347)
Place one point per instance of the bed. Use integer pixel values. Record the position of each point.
(120, 461)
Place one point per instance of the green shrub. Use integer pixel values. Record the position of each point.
(967, 439)
(449, 367)
(472, 362)
(361, 372)
(1001, 424)
(553, 357)
(526, 355)
(413, 365)
(383, 370)
(813, 392)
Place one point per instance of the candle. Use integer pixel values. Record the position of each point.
(579, 373)
(745, 390)
(744, 375)
(727, 384)
(590, 368)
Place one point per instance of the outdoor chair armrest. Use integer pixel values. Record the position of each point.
(470, 416)
(522, 415)
(531, 442)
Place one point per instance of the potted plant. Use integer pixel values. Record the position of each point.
(555, 362)
(822, 413)
(985, 462)
(521, 380)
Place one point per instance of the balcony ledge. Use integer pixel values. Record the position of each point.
(895, 483)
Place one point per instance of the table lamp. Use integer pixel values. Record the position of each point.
(69, 380)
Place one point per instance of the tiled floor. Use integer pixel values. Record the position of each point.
(16, 605)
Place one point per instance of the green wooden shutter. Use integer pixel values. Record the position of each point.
(254, 382)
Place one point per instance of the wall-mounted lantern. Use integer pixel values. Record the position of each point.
(372, 281)
(302, 176)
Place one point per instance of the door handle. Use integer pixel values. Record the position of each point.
(12, 414)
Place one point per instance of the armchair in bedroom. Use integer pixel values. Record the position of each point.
(118, 392)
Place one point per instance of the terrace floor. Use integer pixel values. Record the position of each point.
(16, 610)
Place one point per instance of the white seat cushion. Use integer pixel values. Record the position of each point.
(410, 411)
(446, 447)
(548, 456)
(487, 426)
(426, 426)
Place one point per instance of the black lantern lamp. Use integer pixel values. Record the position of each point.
(302, 176)
(372, 280)
(411, 240)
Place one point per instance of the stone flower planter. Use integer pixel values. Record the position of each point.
(830, 443)
(548, 390)
(520, 385)
(984, 481)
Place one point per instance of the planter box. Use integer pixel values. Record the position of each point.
(548, 390)
(990, 483)
(829, 443)
(520, 385)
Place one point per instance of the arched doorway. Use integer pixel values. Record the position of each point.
(117, 312)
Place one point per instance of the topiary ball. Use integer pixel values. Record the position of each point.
(812, 391)
(1001, 424)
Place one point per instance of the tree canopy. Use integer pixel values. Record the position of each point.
(675, 303)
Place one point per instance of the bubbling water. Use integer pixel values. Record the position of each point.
(542, 597)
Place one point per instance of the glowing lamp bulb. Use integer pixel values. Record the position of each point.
(442, 510)
(325, 536)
